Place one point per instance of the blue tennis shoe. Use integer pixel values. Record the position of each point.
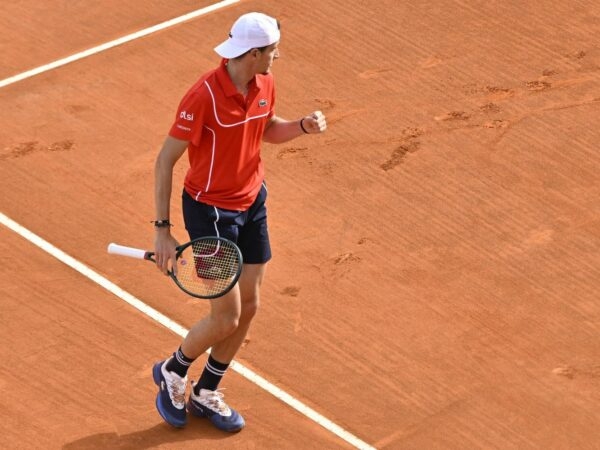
(210, 404)
(170, 400)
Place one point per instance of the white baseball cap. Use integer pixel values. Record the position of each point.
(252, 30)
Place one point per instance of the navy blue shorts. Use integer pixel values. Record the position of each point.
(248, 229)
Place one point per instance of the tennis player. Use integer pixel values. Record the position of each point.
(221, 121)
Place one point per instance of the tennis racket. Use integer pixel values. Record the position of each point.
(207, 267)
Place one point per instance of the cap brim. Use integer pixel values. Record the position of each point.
(228, 50)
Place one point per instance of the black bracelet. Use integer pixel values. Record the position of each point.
(302, 126)
(162, 223)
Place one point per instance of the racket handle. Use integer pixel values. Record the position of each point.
(131, 252)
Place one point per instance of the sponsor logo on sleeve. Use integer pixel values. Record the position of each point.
(186, 116)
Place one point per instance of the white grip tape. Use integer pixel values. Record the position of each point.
(117, 249)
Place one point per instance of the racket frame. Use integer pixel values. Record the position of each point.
(233, 281)
(149, 256)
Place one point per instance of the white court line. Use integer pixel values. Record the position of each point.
(181, 331)
(116, 42)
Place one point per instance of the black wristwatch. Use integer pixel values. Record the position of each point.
(162, 223)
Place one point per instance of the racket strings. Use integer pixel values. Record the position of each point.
(208, 267)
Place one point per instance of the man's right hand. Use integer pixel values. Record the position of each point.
(164, 250)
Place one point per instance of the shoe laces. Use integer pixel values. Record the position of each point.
(176, 387)
(214, 400)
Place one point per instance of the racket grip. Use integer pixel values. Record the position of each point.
(116, 249)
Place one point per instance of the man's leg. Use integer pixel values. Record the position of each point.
(229, 320)
(171, 375)
(249, 285)
(221, 322)
(205, 400)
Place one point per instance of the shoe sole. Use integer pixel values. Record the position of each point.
(195, 411)
(156, 374)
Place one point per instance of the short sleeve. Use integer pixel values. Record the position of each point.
(189, 118)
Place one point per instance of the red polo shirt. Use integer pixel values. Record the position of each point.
(224, 131)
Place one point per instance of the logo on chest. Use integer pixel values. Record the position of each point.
(263, 102)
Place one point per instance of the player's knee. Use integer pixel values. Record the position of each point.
(250, 307)
(227, 323)
(226, 328)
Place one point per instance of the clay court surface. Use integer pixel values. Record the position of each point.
(435, 279)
